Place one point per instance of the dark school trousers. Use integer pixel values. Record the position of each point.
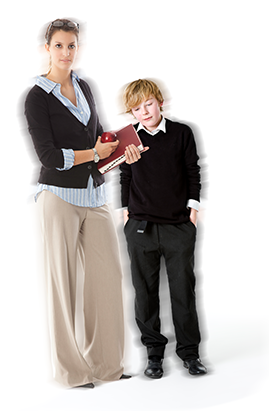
(176, 244)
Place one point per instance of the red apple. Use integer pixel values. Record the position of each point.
(108, 137)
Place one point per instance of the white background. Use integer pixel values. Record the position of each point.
(211, 60)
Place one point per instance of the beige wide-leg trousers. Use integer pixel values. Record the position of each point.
(88, 234)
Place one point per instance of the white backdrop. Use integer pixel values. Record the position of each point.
(211, 61)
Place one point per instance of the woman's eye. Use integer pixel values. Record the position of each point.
(72, 46)
(58, 46)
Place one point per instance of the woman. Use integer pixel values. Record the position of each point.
(76, 221)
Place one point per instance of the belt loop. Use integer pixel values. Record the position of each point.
(142, 227)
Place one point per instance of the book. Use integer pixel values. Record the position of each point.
(126, 136)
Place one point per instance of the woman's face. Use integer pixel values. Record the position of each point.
(63, 49)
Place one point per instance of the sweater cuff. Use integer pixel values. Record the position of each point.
(193, 204)
(69, 158)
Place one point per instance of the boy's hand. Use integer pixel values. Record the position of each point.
(104, 150)
(193, 216)
(132, 154)
(125, 216)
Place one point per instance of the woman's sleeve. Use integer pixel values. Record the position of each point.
(69, 157)
(37, 116)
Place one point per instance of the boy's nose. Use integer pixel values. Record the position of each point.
(145, 110)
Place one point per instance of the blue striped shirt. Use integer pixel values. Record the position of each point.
(84, 197)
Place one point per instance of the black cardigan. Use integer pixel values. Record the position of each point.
(158, 186)
(53, 127)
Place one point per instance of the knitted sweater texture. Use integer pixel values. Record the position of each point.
(158, 186)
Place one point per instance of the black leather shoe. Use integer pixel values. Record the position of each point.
(195, 367)
(88, 385)
(125, 377)
(154, 368)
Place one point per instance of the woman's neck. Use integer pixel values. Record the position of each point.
(60, 76)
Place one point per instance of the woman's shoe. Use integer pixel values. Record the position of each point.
(88, 385)
(125, 377)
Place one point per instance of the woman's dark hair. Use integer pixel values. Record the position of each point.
(61, 24)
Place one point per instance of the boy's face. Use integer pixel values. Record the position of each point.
(148, 113)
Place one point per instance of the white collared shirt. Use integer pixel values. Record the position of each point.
(161, 127)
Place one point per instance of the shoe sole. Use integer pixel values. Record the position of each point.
(154, 377)
(195, 373)
(88, 385)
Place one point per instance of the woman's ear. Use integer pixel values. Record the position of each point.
(47, 47)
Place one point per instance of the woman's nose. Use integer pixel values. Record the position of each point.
(66, 51)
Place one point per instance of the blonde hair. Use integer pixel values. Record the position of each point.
(138, 91)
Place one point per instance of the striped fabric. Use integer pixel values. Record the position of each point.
(84, 197)
(82, 111)
(69, 157)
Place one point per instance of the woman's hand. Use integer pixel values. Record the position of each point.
(132, 154)
(104, 150)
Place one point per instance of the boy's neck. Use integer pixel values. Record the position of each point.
(151, 129)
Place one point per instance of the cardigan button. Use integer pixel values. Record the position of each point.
(86, 128)
(89, 167)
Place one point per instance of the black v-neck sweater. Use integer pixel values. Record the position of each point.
(53, 127)
(158, 186)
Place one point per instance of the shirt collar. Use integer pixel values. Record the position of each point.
(161, 127)
(49, 85)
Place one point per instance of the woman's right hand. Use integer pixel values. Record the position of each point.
(104, 150)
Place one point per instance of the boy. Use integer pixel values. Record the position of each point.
(161, 192)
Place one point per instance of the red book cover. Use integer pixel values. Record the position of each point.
(126, 136)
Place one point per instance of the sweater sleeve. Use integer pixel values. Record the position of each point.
(191, 166)
(69, 157)
(125, 181)
(37, 115)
